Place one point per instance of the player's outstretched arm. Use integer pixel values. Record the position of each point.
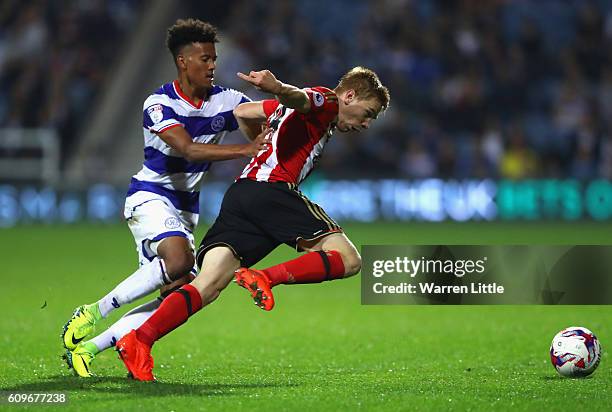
(250, 128)
(250, 116)
(288, 95)
(178, 138)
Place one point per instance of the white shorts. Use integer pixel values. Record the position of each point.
(152, 218)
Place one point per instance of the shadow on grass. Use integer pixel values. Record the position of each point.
(558, 378)
(117, 385)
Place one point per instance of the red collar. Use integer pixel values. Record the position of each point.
(182, 95)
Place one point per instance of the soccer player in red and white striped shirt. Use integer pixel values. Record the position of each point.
(264, 208)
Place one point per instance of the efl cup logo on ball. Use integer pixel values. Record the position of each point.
(575, 352)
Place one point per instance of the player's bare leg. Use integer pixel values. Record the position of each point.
(134, 349)
(216, 272)
(340, 243)
(177, 255)
(330, 257)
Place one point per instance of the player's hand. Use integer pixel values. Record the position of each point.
(263, 80)
(261, 142)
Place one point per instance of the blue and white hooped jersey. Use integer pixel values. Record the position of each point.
(165, 172)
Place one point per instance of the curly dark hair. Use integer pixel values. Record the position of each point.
(187, 31)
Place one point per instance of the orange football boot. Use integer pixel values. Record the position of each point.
(258, 285)
(136, 357)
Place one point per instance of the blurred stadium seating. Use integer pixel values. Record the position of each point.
(55, 59)
(500, 89)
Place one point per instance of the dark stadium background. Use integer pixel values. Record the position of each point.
(499, 132)
(500, 109)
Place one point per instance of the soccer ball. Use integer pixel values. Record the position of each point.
(575, 352)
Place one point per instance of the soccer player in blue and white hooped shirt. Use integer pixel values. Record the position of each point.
(183, 121)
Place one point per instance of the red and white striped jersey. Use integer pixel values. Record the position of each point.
(297, 139)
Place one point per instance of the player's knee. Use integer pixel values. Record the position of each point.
(352, 263)
(179, 264)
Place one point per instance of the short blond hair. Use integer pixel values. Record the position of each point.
(366, 84)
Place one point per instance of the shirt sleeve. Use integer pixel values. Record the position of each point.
(269, 106)
(158, 118)
(322, 100)
(232, 123)
(323, 105)
(244, 99)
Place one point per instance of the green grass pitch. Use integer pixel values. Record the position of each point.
(319, 349)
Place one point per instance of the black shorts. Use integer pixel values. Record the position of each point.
(256, 217)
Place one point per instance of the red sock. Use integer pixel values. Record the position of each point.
(176, 308)
(313, 267)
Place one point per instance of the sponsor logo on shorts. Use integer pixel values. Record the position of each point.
(172, 223)
(217, 123)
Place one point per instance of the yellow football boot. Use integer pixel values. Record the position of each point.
(80, 325)
(79, 360)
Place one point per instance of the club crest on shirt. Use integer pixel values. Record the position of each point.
(318, 99)
(156, 113)
(172, 223)
(217, 123)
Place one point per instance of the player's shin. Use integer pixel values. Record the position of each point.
(131, 320)
(176, 308)
(313, 267)
(147, 279)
